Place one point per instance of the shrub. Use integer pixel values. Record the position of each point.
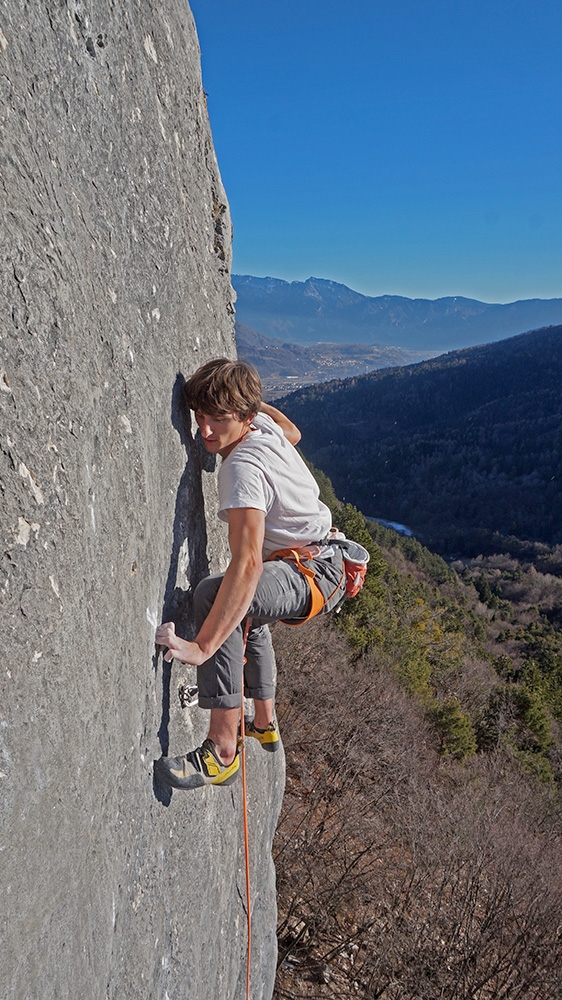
(456, 732)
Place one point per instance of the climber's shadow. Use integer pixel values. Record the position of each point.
(189, 552)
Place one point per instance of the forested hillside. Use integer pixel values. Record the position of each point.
(465, 449)
(419, 844)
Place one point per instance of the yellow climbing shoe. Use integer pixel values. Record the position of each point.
(269, 738)
(200, 767)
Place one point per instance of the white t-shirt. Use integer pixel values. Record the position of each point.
(266, 472)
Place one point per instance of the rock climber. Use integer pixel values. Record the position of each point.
(271, 504)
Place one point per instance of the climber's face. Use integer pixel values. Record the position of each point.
(221, 433)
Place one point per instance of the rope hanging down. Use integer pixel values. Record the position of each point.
(245, 815)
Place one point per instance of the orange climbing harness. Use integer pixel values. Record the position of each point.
(318, 599)
(354, 570)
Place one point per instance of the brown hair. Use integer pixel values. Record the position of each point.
(223, 386)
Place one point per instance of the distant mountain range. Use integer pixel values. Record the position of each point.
(284, 366)
(318, 310)
(457, 448)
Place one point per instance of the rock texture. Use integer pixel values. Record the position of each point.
(115, 253)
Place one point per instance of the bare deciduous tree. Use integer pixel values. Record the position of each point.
(401, 875)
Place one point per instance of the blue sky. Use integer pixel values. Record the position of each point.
(409, 147)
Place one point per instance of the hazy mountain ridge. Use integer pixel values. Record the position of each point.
(458, 447)
(318, 310)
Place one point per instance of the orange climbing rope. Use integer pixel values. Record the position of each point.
(245, 815)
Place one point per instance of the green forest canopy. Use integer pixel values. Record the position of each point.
(460, 448)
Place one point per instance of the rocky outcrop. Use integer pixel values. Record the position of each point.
(115, 258)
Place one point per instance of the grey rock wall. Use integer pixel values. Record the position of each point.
(115, 255)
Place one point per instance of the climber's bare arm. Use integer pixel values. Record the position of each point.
(245, 535)
(290, 430)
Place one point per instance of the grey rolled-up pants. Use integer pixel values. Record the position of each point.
(282, 592)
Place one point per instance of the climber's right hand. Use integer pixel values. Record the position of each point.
(177, 648)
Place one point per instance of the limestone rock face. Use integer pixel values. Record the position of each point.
(115, 260)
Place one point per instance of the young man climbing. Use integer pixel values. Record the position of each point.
(270, 501)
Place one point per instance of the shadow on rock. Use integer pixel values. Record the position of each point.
(189, 552)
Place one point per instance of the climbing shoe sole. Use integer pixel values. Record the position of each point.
(197, 768)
